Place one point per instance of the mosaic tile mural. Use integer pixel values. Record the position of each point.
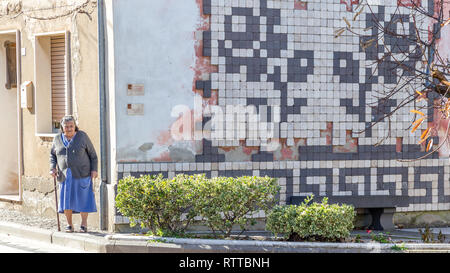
(293, 100)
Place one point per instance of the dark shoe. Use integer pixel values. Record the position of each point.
(68, 229)
(83, 229)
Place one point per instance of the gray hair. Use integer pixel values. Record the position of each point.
(66, 119)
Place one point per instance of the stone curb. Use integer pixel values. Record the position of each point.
(26, 232)
(228, 246)
(85, 242)
(121, 243)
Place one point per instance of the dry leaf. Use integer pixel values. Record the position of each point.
(419, 99)
(422, 141)
(430, 143)
(417, 112)
(367, 44)
(427, 131)
(416, 124)
(348, 24)
(339, 32)
(420, 120)
(358, 13)
(421, 96)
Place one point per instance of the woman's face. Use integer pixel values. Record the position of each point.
(69, 129)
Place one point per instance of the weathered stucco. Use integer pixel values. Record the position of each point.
(163, 59)
(9, 173)
(159, 45)
(249, 53)
(59, 16)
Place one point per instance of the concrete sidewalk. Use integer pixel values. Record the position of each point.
(131, 243)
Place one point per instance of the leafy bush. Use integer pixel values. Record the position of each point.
(158, 203)
(168, 206)
(227, 201)
(316, 221)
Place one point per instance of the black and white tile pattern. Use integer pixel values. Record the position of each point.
(287, 64)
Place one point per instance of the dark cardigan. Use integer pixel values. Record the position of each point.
(79, 156)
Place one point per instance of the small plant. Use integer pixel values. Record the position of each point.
(428, 236)
(158, 203)
(382, 237)
(226, 202)
(357, 239)
(168, 206)
(313, 222)
(441, 237)
(400, 247)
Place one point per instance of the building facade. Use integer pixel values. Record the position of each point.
(221, 87)
(50, 47)
(230, 88)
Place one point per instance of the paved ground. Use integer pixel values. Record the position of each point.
(14, 223)
(13, 244)
(13, 216)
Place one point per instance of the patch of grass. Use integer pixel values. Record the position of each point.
(400, 247)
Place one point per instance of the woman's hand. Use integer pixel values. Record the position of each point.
(54, 173)
(94, 174)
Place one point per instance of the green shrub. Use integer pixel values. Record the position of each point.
(168, 206)
(159, 203)
(315, 221)
(228, 201)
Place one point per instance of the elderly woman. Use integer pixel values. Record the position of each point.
(73, 161)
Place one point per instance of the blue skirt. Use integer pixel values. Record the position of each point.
(76, 195)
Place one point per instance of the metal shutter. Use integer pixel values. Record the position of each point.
(59, 83)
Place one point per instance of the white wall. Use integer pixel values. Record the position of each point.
(153, 45)
(9, 183)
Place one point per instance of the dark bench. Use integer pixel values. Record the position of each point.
(380, 207)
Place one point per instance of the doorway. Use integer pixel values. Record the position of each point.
(9, 140)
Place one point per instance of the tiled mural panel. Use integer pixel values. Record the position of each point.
(292, 98)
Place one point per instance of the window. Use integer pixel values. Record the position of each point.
(52, 81)
(58, 74)
(11, 71)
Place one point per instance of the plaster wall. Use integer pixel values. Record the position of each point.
(283, 57)
(154, 46)
(24, 16)
(9, 176)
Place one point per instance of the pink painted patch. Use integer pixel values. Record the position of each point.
(202, 67)
(399, 143)
(349, 4)
(165, 138)
(352, 142)
(248, 150)
(202, 64)
(351, 145)
(163, 157)
(443, 43)
(328, 133)
(439, 127)
(301, 5)
(409, 3)
(286, 153)
(227, 148)
(300, 141)
(183, 127)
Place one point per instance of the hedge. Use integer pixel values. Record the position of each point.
(315, 221)
(169, 206)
